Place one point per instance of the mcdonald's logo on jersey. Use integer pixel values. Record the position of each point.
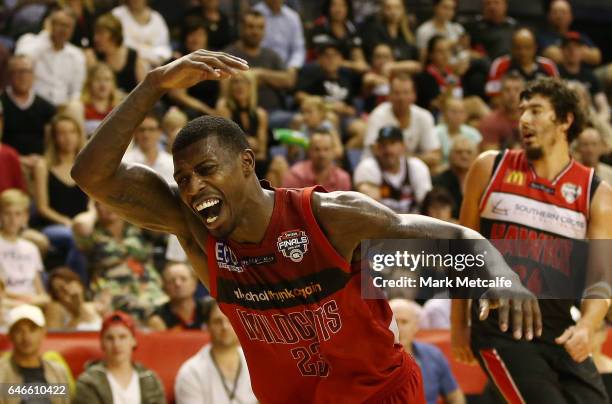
(515, 177)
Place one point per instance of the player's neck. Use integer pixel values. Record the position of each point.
(552, 163)
(257, 214)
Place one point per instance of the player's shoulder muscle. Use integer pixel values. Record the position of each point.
(601, 212)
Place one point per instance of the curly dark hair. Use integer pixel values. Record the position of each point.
(564, 101)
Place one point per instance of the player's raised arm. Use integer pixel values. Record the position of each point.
(134, 191)
(370, 220)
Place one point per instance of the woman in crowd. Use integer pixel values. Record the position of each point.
(108, 47)
(437, 80)
(441, 23)
(122, 275)
(69, 309)
(391, 27)
(58, 198)
(239, 103)
(201, 98)
(217, 24)
(100, 96)
(144, 30)
(117, 379)
(336, 22)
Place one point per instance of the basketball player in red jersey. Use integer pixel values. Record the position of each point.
(277, 261)
(524, 194)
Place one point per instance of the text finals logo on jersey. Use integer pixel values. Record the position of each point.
(293, 244)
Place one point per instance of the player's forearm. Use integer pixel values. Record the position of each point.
(100, 158)
(459, 312)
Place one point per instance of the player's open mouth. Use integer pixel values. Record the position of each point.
(209, 209)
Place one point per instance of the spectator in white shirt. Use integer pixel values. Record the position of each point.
(145, 30)
(284, 32)
(392, 178)
(416, 123)
(60, 66)
(218, 373)
(147, 149)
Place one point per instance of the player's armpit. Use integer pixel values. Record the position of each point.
(140, 196)
(197, 258)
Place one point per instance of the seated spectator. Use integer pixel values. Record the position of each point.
(438, 379)
(200, 99)
(25, 363)
(58, 198)
(25, 113)
(603, 362)
(319, 168)
(100, 96)
(218, 373)
(144, 30)
(21, 266)
(120, 263)
(392, 178)
(147, 149)
(491, 32)
(523, 60)
(499, 129)
(183, 311)
(560, 20)
(441, 23)
(116, 378)
(416, 123)
(375, 83)
(60, 66)
(69, 310)
(437, 80)
(453, 126)
(284, 32)
(173, 121)
(591, 147)
(273, 78)
(439, 204)
(239, 103)
(84, 13)
(572, 68)
(463, 152)
(12, 176)
(109, 47)
(436, 314)
(326, 78)
(218, 27)
(391, 27)
(336, 23)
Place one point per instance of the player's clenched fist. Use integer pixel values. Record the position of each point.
(195, 67)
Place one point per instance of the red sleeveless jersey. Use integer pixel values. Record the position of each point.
(517, 204)
(295, 304)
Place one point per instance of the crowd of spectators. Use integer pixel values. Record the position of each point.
(349, 94)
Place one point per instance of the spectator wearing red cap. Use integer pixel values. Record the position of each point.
(117, 379)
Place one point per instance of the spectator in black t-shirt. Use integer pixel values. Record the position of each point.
(201, 98)
(25, 113)
(337, 22)
(391, 27)
(462, 154)
(326, 78)
(491, 32)
(572, 68)
(183, 311)
(217, 24)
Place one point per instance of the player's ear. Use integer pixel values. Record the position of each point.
(569, 120)
(247, 159)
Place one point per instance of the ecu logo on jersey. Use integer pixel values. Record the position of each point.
(293, 244)
(515, 177)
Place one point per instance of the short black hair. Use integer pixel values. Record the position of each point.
(437, 197)
(564, 100)
(229, 134)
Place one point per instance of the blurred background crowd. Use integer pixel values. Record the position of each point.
(391, 98)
